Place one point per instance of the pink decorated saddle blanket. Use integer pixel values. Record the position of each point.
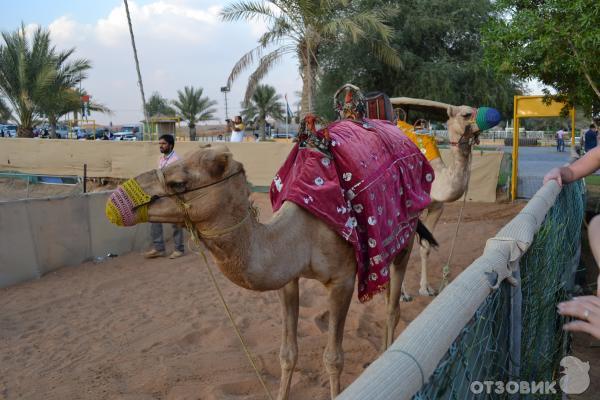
(368, 182)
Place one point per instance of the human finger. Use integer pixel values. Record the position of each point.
(583, 326)
(577, 310)
(588, 301)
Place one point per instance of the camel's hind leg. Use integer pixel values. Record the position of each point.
(340, 294)
(395, 288)
(434, 212)
(288, 354)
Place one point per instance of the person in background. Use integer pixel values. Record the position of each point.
(237, 129)
(591, 138)
(585, 309)
(560, 140)
(166, 145)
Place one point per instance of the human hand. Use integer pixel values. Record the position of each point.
(553, 174)
(587, 311)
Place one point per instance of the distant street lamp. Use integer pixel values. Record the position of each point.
(224, 90)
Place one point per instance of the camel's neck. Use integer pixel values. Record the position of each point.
(451, 180)
(254, 255)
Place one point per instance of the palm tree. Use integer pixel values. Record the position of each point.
(34, 75)
(5, 113)
(192, 107)
(66, 101)
(158, 105)
(61, 96)
(263, 103)
(301, 28)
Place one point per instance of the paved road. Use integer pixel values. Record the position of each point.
(536, 161)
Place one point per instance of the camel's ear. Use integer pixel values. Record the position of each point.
(452, 111)
(217, 163)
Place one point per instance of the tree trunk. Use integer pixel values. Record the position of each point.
(305, 107)
(309, 71)
(52, 123)
(24, 132)
(192, 133)
(263, 129)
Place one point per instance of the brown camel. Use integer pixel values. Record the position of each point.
(272, 256)
(450, 180)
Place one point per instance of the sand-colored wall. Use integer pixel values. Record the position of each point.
(128, 159)
(125, 159)
(40, 235)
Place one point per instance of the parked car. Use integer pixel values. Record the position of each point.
(9, 130)
(283, 135)
(124, 136)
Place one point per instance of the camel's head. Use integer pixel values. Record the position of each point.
(466, 123)
(206, 180)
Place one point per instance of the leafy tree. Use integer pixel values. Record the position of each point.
(157, 104)
(555, 41)
(263, 103)
(439, 42)
(29, 72)
(302, 28)
(192, 107)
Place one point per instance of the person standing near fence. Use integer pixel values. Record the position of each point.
(591, 138)
(166, 145)
(585, 309)
(560, 140)
(237, 130)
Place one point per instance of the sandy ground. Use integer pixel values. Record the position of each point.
(135, 329)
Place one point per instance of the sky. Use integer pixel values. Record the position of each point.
(179, 43)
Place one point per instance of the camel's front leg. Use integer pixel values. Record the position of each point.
(434, 212)
(396, 287)
(288, 353)
(340, 294)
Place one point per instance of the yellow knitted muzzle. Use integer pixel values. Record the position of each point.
(128, 204)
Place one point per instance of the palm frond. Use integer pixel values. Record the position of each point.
(386, 54)
(264, 66)
(244, 62)
(248, 10)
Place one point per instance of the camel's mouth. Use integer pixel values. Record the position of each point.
(128, 204)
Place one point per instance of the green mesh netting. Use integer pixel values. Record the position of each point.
(482, 350)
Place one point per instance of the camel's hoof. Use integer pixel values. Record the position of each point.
(427, 292)
(406, 298)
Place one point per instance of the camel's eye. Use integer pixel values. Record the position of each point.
(178, 187)
(467, 115)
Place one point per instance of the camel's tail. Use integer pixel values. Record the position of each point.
(425, 235)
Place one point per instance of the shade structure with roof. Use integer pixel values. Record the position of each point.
(160, 124)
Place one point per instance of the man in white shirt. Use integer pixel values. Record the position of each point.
(560, 141)
(166, 144)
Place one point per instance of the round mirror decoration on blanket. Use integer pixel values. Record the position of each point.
(128, 205)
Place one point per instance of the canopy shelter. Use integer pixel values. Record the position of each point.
(534, 107)
(162, 124)
(435, 109)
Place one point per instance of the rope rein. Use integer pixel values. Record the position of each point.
(194, 233)
(209, 234)
(446, 268)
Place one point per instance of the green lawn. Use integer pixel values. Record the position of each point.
(593, 180)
